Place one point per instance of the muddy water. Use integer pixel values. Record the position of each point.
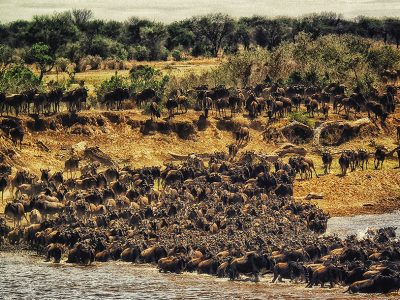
(358, 225)
(26, 276)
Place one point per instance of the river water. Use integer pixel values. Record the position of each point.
(24, 275)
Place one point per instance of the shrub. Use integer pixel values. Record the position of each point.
(302, 118)
(94, 62)
(177, 55)
(62, 64)
(139, 53)
(18, 78)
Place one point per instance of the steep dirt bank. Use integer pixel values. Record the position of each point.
(48, 142)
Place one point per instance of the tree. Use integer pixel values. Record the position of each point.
(55, 31)
(6, 57)
(132, 28)
(215, 28)
(392, 27)
(180, 34)
(81, 17)
(369, 27)
(39, 54)
(153, 38)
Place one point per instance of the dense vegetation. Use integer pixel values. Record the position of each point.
(76, 35)
(315, 50)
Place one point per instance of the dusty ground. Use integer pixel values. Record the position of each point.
(369, 191)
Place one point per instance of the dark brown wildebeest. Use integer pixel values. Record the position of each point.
(289, 270)
(327, 161)
(221, 105)
(362, 158)
(154, 111)
(311, 105)
(54, 251)
(144, 96)
(296, 100)
(115, 97)
(325, 110)
(3, 186)
(242, 135)
(378, 110)
(71, 165)
(377, 284)
(325, 274)
(251, 264)
(15, 211)
(14, 101)
(233, 150)
(170, 105)
(234, 104)
(39, 102)
(172, 264)
(344, 162)
(17, 135)
(75, 98)
(183, 103)
(44, 175)
(54, 98)
(380, 155)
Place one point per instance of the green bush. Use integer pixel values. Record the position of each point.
(177, 55)
(302, 118)
(143, 77)
(94, 62)
(139, 53)
(18, 78)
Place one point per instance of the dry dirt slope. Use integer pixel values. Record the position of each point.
(118, 135)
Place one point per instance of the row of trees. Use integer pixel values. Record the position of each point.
(76, 34)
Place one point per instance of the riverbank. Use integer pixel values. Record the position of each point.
(117, 135)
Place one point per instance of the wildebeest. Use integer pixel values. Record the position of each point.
(17, 135)
(380, 155)
(378, 110)
(75, 98)
(144, 96)
(242, 135)
(71, 165)
(327, 161)
(3, 186)
(362, 158)
(290, 270)
(15, 211)
(154, 110)
(171, 104)
(344, 162)
(115, 97)
(250, 264)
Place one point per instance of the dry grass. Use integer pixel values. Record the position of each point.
(171, 68)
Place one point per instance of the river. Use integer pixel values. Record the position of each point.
(24, 275)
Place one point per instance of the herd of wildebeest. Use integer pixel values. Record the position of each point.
(277, 101)
(219, 217)
(229, 215)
